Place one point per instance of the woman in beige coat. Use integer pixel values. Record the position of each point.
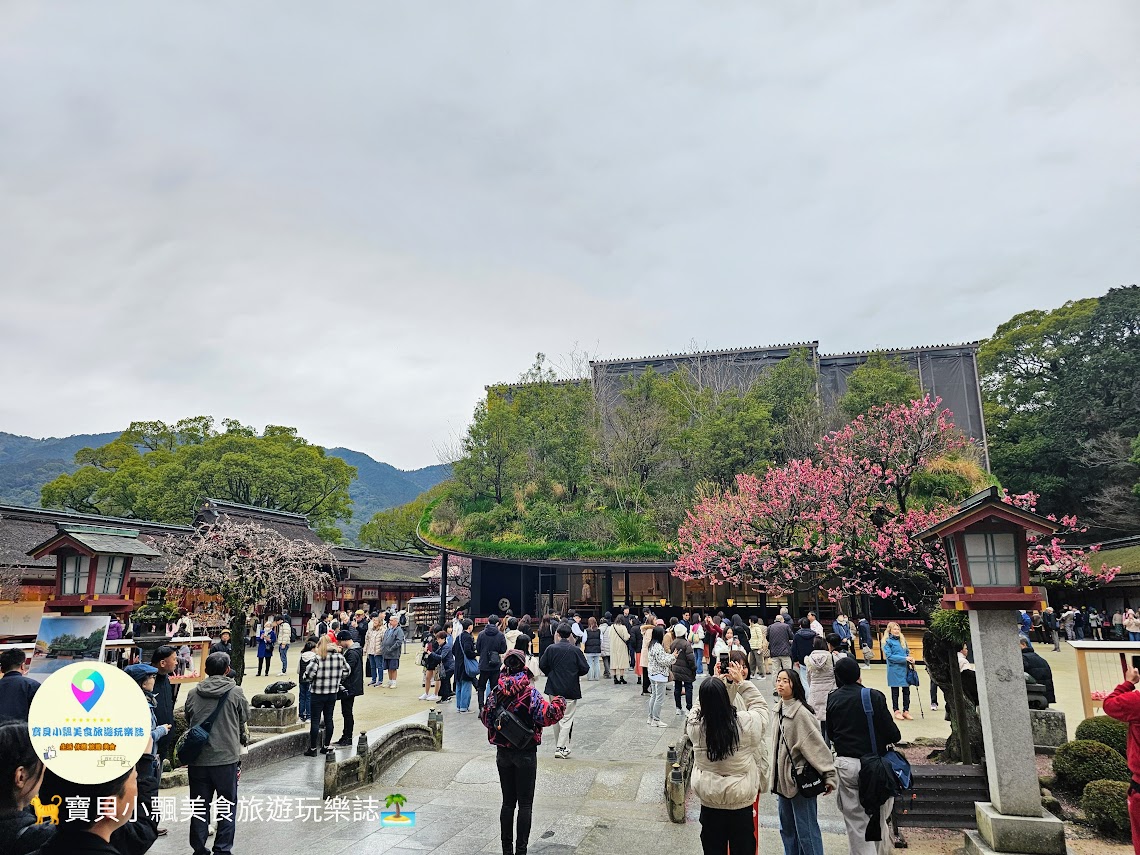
(643, 660)
(798, 741)
(730, 759)
(619, 649)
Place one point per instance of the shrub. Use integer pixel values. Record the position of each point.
(1105, 804)
(1106, 730)
(1078, 762)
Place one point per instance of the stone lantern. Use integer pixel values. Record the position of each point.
(93, 568)
(987, 555)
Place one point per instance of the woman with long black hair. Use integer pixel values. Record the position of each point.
(517, 762)
(21, 772)
(797, 743)
(730, 759)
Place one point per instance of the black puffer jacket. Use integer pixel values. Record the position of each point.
(20, 835)
(684, 667)
(490, 641)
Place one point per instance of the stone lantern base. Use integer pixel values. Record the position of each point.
(1015, 835)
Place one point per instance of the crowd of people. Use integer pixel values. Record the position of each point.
(820, 724)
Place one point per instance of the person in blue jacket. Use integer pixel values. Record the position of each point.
(898, 658)
(841, 626)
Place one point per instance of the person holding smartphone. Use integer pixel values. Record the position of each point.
(728, 727)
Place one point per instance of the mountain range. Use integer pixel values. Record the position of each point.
(26, 464)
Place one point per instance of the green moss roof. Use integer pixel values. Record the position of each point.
(546, 551)
(1128, 558)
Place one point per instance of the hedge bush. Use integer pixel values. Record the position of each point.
(1078, 762)
(1106, 730)
(1105, 804)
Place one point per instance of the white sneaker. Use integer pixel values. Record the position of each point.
(423, 697)
(678, 710)
(934, 706)
(432, 698)
(391, 684)
(660, 724)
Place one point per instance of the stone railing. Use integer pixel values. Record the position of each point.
(376, 750)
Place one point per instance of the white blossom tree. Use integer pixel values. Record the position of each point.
(10, 589)
(246, 564)
(458, 576)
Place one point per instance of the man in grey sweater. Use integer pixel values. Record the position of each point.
(215, 770)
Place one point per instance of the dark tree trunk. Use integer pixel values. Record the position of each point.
(237, 639)
(961, 709)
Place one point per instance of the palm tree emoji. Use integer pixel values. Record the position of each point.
(397, 800)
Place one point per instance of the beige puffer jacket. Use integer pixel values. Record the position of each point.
(734, 782)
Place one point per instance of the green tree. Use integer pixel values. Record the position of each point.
(394, 530)
(162, 472)
(791, 390)
(878, 381)
(491, 460)
(1062, 402)
(557, 428)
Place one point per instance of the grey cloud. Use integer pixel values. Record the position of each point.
(351, 217)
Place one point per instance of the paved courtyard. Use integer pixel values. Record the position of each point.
(608, 796)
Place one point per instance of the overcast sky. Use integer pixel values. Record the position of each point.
(350, 216)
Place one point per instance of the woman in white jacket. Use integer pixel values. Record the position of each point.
(730, 760)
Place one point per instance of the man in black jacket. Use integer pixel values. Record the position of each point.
(490, 645)
(353, 683)
(851, 739)
(564, 664)
(1037, 668)
(803, 643)
(165, 659)
(16, 690)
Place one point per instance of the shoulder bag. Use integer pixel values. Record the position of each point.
(194, 740)
(510, 726)
(470, 666)
(809, 782)
(898, 764)
(911, 675)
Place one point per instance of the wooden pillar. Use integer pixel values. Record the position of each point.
(443, 591)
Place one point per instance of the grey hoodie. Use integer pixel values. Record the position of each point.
(229, 732)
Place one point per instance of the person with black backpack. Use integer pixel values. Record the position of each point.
(490, 645)
(515, 714)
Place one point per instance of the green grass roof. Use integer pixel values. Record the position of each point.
(1128, 558)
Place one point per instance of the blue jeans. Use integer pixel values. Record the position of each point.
(799, 827)
(462, 694)
(304, 700)
(595, 672)
(699, 653)
(1134, 636)
(283, 649)
(376, 662)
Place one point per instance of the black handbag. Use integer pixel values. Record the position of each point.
(809, 782)
(512, 727)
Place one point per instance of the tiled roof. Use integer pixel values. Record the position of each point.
(117, 541)
(22, 528)
(288, 525)
(698, 353)
(368, 565)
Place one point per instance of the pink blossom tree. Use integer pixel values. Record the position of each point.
(458, 576)
(246, 565)
(845, 523)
